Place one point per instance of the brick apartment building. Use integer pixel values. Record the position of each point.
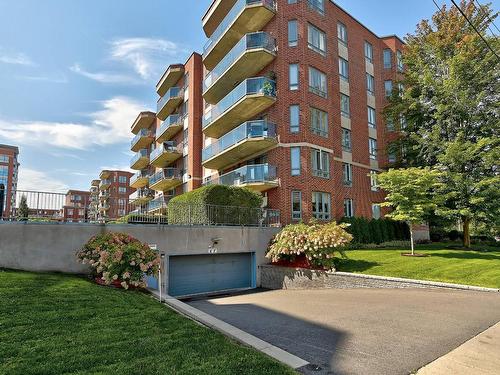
(168, 143)
(109, 196)
(293, 95)
(76, 206)
(9, 167)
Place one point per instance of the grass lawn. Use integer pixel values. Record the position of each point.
(446, 265)
(59, 324)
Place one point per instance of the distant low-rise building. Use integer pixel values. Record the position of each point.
(76, 206)
(9, 167)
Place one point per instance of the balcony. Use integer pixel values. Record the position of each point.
(165, 154)
(169, 78)
(104, 196)
(159, 205)
(166, 179)
(143, 197)
(246, 16)
(170, 127)
(260, 177)
(105, 174)
(247, 140)
(248, 99)
(140, 160)
(105, 184)
(104, 207)
(143, 121)
(169, 102)
(139, 180)
(248, 57)
(215, 14)
(95, 183)
(143, 139)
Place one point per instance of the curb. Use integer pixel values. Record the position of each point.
(233, 332)
(419, 282)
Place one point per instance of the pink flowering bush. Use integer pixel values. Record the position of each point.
(118, 258)
(318, 243)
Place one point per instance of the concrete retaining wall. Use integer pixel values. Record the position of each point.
(52, 247)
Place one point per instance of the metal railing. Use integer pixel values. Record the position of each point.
(172, 120)
(34, 206)
(250, 86)
(248, 174)
(231, 16)
(173, 92)
(250, 41)
(165, 147)
(247, 130)
(140, 154)
(142, 133)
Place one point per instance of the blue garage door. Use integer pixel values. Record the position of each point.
(198, 274)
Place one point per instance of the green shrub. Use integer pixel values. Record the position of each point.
(376, 231)
(216, 204)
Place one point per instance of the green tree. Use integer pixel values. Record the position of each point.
(450, 100)
(23, 211)
(411, 193)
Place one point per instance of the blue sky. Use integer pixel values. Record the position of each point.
(74, 74)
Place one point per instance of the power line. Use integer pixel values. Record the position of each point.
(475, 29)
(482, 12)
(483, 8)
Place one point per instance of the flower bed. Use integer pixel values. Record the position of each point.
(119, 259)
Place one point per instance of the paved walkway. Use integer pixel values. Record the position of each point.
(360, 331)
(480, 355)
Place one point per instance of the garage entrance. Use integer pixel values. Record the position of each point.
(202, 274)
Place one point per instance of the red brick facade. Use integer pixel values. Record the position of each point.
(8, 176)
(76, 206)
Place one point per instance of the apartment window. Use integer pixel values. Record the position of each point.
(348, 207)
(122, 190)
(122, 179)
(376, 211)
(372, 147)
(293, 35)
(121, 212)
(342, 33)
(185, 137)
(402, 122)
(346, 140)
(294, 118)
(317, 82)
(317, 5)
(369, 52)
(320, 163)
(4, 158)
(347, 174)
(81, 212)
(321, 203)
(389, 123)
(292, 1)
(373, 181)
(296, 205)
(388, 88)
(316, 39)
(387, 59)
(345, 105)
(344, 69)
(70, 212)
(294, 76)
(391, 157)
(372, 121)
(319, 122)
(399, 59)
(295, 160)
(370, 84)
(401, 89)
(122, 202)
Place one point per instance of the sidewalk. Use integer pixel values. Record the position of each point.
(479, 355)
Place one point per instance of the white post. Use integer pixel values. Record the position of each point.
(159, 281)
(411, 240)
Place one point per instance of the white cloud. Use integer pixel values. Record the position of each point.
(61, 78)
(103, 77)
(146, 55)
(16, 59)
(33, 180)
(110, 125)
(116, 167)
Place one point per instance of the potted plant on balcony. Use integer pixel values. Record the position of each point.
(268, 89)
(119, 260)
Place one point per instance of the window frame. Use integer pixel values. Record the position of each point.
(295, 152)
(293, 77)
(369, 56)
(342, 34)
(347, 174)
(293, 42)
(342, 102)
(387, 64)
(348, 207)
(296, 215)
(372, 117)
(344, 69)
(322, 117)
(344, 138)
(322, 79)
(294, 127)
(370, 84)
(373, 151)
(322, 207)
(321, 36)
(318, 160)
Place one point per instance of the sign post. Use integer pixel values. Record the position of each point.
(2, 199)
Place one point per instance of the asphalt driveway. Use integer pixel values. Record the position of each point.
(360, 331)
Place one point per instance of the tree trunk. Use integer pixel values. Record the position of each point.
(411, 239)
(466, 239)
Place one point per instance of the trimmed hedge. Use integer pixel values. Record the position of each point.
(376, 231)
(216, 204)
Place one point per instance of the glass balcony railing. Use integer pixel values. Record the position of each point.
(170, 121)
(250, 86)
(173, 92)
(158, 203)
(248, 42)
(105, 182)
(248, 174)
(231, 16)
(250, 129)
(165, 174)
(142, 133)
(138, 176)
(140, 154)
(165, 147)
